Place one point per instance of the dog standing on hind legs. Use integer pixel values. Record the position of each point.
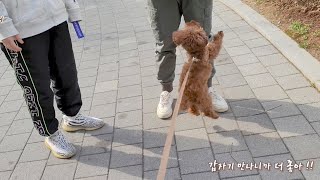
(201, 53)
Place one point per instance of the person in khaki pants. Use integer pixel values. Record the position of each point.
(165, 17)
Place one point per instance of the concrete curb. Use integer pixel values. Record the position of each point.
(300, 58)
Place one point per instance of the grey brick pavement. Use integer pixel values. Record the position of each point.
(273, 116)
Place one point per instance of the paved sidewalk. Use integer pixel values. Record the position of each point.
(274, 115)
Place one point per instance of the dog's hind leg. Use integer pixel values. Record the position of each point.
(211, 113)
(194, 110)
(207, 108)
(183, 105)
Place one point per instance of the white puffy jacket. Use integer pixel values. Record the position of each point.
(31, 17)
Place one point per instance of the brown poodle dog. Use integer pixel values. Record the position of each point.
(201, 53)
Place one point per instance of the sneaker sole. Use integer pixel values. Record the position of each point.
(221, 110)
(165, 117)
(56, 154)
(73, 129)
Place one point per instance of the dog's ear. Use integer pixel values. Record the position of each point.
(179, 37)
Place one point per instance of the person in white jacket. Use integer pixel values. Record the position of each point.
(35, 39)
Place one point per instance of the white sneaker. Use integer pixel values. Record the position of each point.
(81, 122)
(60, 146)
(164, 109)
(219, 104)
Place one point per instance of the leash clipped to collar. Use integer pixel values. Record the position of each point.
(194, 59)
(166, 150)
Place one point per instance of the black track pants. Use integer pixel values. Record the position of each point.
(47, 58)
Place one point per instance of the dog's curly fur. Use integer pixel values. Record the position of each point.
(201, 53)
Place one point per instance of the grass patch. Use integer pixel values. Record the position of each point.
(300, 32)
(299, 28)
(304, 44)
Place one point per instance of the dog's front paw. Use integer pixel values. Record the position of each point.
(218, 36)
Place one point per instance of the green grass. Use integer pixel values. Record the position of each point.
(299, 28)
(300, 32)
(304, 44)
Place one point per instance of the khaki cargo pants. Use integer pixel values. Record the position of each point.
(165, 17)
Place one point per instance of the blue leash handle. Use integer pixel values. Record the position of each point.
(78, 30)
